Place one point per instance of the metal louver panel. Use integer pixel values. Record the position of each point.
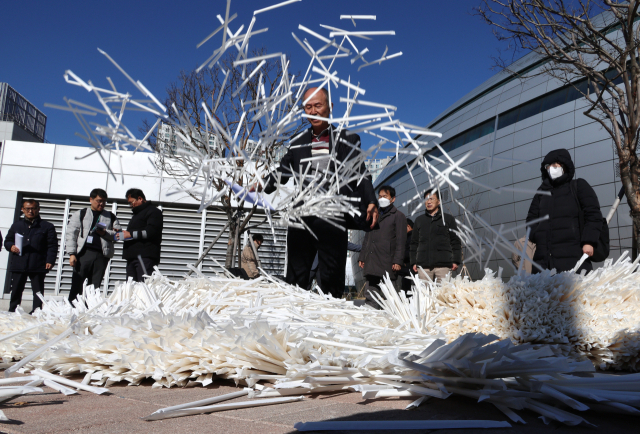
(183, 238)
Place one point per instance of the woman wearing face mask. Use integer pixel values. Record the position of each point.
(561, 240)
(383, 248)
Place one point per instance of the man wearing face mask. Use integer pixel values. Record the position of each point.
(383, 248)
(560, 240)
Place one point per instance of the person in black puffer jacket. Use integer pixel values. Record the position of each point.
(435, 246)
(559, 243)
(38, 255)
(142, 237)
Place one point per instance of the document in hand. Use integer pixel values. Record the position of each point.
(250, 196)
(19, 242)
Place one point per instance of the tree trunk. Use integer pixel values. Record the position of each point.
(229, 256)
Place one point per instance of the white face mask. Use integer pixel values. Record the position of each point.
(384, 202)
(555, 172)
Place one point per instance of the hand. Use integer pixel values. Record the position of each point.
(48, 266)
(361, 264)
(14, 249)
(125, 234)
(454, 267)
(588, 249)
(255, 187)
(73, 260)
(415, 268)
(372, 214)
(395, 267)
(100, 231)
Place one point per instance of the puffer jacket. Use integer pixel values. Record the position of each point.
(384, 246)
(434, 243)
(558, 239)
(146, 230)
(77, 233)
(39, 246)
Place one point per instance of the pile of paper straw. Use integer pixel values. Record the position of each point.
(594, 316)
(282, 341)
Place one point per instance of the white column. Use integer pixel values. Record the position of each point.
(67, 204)
(203, 229)
(105, 280)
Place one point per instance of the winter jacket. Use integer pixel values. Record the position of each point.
(39, 246)
(406, 265)
(347, 148)
(77, 233)
(146, 230)
(249, 262)
(558, 240)
(434, 243)
(384, 246)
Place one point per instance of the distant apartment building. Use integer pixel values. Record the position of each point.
(19, 119)
(375, 166)
(168, 140)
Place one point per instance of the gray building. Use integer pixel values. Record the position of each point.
(517, 119)
(19, 119)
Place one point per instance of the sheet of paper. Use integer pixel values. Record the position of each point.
(19, 239)
(251, 196)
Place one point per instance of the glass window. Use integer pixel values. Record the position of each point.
(554, 99)
(531, 108)
(487, 127)
(472, 135)
(508, 118)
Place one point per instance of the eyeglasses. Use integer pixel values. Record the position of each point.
(31, 209)
(317, 106)
(546, 167)
(100, 202)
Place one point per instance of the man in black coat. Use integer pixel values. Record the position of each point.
(435, 246)
(37, 257)
(383, 248)
(142, 237)
(322, 139)
(560, 242)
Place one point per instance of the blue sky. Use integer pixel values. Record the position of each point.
(447, 51)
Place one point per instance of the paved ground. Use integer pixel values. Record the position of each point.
(120, 412)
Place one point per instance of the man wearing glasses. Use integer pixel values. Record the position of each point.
(33, 244)
(89, 242)
(329, 242)
(435, 246)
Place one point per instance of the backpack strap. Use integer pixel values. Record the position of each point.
(574, 191)
(83, 213)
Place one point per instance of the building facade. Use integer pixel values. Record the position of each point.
(514, 121)
(375, 166)
(57, 177)
(19, 119)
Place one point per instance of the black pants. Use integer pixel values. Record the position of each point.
(373, 285)
(91, 266)
(18, 280)
(137, 270)
(331, 247)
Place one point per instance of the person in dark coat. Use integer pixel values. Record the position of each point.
(435, 246)
(142, 237)
(402, 283)
(329, 242)
(37, 257)
(383, 248)
(351, 247)
(559, 241)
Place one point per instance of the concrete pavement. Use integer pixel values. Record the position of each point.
(120, 412)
